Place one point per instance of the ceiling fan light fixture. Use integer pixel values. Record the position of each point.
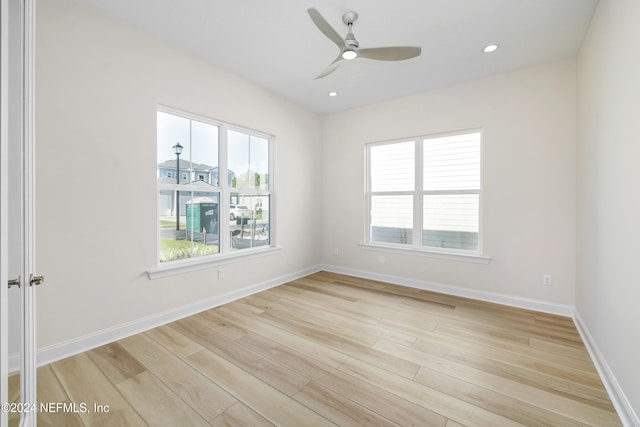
(490, 48)
(349, 54)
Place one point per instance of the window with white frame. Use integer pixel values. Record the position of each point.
(425, 192)
(200, 213)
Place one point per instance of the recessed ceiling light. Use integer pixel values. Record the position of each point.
(333, 93)
(490, 48)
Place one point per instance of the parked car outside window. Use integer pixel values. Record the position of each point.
(239, 211)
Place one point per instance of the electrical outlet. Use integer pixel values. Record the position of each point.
(336, 251)
(381, 259)
(221, 273)
(546, 280)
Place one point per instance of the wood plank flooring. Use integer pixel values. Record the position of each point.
(330, 349)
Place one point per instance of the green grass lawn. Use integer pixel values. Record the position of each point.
(171, 250)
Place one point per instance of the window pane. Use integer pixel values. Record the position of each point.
(259, 162)
(248, 160)
(199, 156)
(392, 219)
(392, 167)
(190, 228)
(204, 153)
(249, 220)
(171, 130)
(452, 162)
(451, 221)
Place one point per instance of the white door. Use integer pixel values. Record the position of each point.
(4, 136)
(17, 209)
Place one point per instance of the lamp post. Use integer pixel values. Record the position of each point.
(178, 150)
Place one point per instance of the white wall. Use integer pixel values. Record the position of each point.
(529, 123)
(608, 269)
(99, 83)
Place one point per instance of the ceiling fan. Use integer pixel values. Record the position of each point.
(350, 48)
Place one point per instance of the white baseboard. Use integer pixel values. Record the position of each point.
(513, 301)
(78, 345)
(625, 411)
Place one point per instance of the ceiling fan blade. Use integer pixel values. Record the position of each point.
(398, 53)
(331, 68)
(326, 29)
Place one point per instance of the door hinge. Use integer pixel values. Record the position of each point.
(36, 280)
(14, 282)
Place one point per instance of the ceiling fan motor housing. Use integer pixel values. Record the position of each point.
(351, 41)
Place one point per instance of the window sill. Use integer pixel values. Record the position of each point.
(451, 256)
(186, 266)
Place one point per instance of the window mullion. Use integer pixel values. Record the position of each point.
(417, 196)
(223, 185)
(435, 192)
(367, 192)
(189, 171)
(392, 193)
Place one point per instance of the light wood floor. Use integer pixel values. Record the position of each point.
(336, 350)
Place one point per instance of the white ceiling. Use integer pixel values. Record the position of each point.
(274, 43)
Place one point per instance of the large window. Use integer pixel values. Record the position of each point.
(425, 192)
(213, 187)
